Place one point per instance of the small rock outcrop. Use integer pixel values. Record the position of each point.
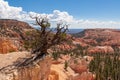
(79, 66)
(101, 49)
(7, 46)
(53, 75)
(84, 76)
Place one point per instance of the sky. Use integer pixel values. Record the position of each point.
(80, 14)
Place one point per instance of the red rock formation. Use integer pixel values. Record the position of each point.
(15, 32)
(101, 49)
(79, 66)
(103, 37)
(84, 76)
(7, 46)
(84, 42)
(53, 75)
(79, 41)
(65, 46)
(13, 28)
(11, 22)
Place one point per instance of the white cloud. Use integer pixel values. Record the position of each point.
(58, 15)
(7, 11)
(11, 12)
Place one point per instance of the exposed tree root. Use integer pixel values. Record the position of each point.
(23, 62)
(30, 60)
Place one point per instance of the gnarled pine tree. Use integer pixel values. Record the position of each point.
(46, 38)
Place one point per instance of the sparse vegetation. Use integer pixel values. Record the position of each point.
(11, 50)
(66, 65)
(79, 51)
(55, 55)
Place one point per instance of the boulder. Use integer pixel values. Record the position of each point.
(84, 76)
(53, 75)
(79, 66)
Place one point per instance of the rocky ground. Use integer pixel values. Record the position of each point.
(9, 71)
(10, 58)
(46, 69)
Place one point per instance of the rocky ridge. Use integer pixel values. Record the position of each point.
(98, 40)
(12, 35)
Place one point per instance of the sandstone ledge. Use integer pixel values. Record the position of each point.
(39, 71)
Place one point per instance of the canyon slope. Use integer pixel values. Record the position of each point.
(12, 35)
(99, 40)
